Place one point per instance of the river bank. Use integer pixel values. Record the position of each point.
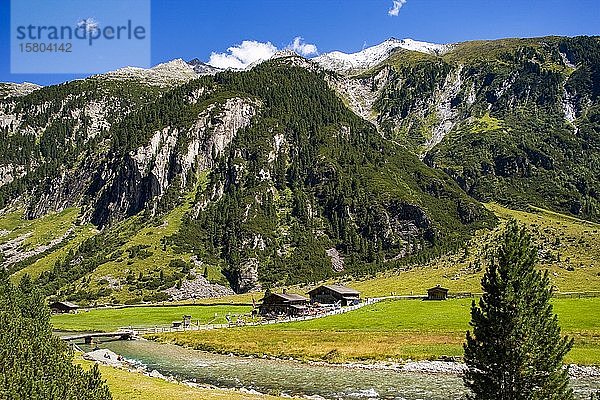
(422, 366)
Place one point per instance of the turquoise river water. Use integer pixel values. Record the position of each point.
(299, 379)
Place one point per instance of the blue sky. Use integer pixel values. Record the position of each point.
(195, 29)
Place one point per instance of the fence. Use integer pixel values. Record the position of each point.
(575, 295)
(556, 295)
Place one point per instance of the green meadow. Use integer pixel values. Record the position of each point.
(401, 329)
(110, 319)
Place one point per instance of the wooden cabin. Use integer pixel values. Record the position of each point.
(283, 304)
(334, 294)
(437, 293)
(63, 307)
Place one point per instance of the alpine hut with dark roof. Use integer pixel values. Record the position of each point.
(437, 293)
(283, 304)
(63, 307)
(334, 294)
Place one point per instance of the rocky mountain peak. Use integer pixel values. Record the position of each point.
(165, 74)
(201, 68)
(17, 89)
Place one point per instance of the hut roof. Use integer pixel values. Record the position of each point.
(67, 304)
(291, 296)
(343, 290)
(437, 288)
(288, 296)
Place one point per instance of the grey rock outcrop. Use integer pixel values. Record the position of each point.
(198, 288)
(126, 186)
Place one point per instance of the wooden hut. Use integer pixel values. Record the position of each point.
(437, 293)
(283, 304)
(334, 294)
(63, 307)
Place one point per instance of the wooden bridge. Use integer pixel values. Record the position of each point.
(124, 335)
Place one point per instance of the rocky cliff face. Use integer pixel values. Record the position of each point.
(127, 185)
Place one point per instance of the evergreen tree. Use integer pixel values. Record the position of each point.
(35, 364)
(516, 350)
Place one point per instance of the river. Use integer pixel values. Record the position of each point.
(299, 379)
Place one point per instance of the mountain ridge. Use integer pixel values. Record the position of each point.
(371, 56)
(176, 70)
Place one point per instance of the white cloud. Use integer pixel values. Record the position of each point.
(242, 55)
(302, 48)
(393, 12)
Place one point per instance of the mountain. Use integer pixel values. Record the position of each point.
(511, 120)
(149, 182)
(165, 74)
(17, 89)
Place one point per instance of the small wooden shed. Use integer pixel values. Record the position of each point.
(334, 294)
(63, 307)
(437, 293)
(283, 304)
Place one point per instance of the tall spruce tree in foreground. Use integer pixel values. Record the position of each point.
(516, 349)
(35, 364)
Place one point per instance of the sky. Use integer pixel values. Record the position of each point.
(234, 33)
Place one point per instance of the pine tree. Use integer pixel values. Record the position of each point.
(35, 364)
(516, 349)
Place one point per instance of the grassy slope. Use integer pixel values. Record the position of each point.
(395, 329)
(46, 228)
(109, 319)
(127, 385)
(47, 262)
(572, 260)
(10, 221)
(42, 231)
